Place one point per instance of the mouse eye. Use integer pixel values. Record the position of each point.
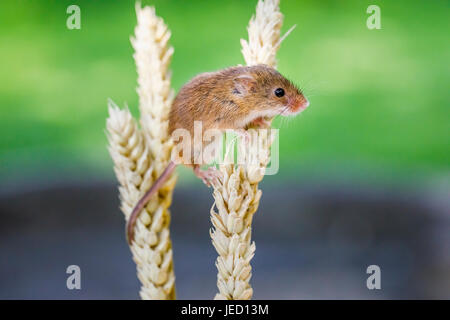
(279, 92)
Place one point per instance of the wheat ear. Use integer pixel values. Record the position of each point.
(140, 155)
(237, 196)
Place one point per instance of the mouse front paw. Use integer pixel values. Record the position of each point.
(211, 176)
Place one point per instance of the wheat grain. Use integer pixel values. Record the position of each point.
(140, 156)
(237, 196)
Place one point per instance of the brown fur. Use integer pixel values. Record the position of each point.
(232, 98)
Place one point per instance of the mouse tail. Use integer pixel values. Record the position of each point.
(131, 223)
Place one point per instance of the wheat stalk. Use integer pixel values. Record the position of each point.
(237, 196)
(140, 156)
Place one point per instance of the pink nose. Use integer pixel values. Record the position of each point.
(298, 105)
(303, 104)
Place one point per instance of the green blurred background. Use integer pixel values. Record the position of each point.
(364, 171)
(379, 98)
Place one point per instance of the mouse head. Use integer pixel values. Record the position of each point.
(268, 93)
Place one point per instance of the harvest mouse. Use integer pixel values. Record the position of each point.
(233, 98)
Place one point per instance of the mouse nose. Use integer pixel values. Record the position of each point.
(298, 105)
(305, 103)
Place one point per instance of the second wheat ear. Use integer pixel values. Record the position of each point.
(237, 198)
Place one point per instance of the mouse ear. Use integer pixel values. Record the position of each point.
(244, 84)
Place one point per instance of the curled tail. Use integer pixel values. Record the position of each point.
(131, 223)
